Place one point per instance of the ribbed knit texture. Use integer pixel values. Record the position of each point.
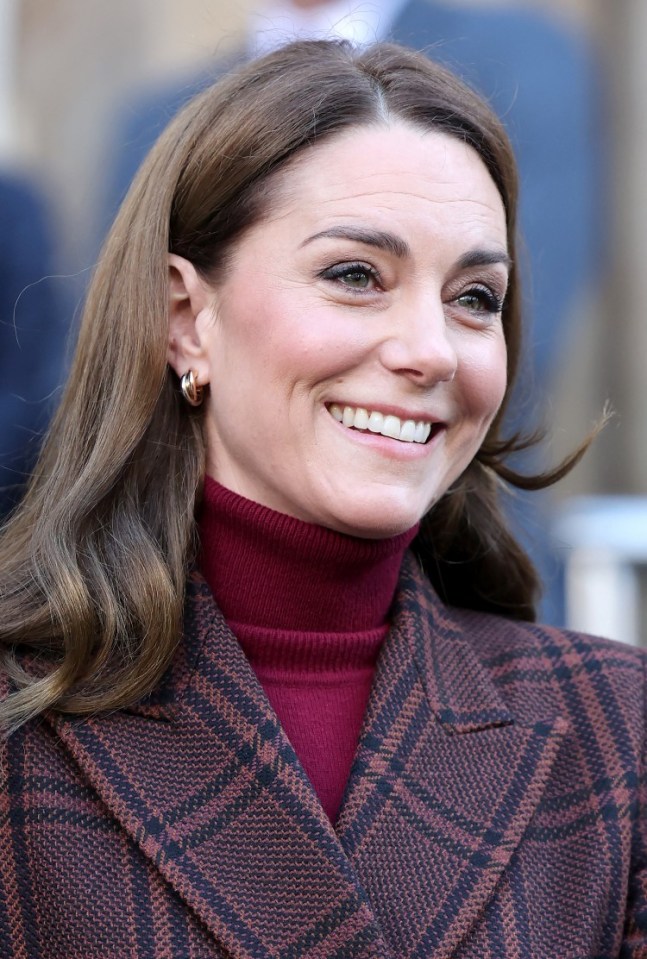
(310, 608)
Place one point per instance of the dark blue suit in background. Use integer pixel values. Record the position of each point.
(32, 335)
(539, 77)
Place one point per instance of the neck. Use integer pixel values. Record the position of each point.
(272, 570)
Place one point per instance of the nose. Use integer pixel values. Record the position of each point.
(419, 344)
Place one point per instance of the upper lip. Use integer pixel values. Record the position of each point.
(418, 416)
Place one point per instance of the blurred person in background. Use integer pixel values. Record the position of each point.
(32, 335)
(270, 667)
(538, 74)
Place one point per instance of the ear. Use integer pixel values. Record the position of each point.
(191, 300)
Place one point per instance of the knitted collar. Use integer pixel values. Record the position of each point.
(274, 571)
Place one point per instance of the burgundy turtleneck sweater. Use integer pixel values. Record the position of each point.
(309, 607)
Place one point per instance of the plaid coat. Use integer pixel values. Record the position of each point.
(495, 808)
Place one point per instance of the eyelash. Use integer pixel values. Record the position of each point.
(340, 270)
(491, 303)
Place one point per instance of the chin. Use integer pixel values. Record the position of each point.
(377, 521)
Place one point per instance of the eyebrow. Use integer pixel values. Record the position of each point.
(377, 238)
(383, 240)
(484, 258)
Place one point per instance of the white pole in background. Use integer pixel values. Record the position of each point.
(8, 40)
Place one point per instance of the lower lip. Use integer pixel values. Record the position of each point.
(394, 449)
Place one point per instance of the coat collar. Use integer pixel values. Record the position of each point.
(445, 779)
(444, 783)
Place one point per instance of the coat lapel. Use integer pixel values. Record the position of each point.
(204, 780)
(444, 782)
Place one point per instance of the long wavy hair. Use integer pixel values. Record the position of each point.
(94, 561)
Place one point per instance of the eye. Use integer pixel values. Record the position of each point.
(480, 299)
(354, 276)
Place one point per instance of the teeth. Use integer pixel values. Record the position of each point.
(408, 431)
(391, 427)
(376, 423)
(361, 418)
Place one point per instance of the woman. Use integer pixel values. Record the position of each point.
(304, 328)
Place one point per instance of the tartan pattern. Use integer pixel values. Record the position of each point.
(495, 808)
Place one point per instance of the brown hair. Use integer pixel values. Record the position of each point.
(94, 561)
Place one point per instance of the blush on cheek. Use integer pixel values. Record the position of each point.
(488, 372)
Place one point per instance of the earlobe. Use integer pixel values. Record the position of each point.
(189, 297)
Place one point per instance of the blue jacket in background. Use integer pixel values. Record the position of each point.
(32, 334)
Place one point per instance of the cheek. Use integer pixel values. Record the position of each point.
(485, 379)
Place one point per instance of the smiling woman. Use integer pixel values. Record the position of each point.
(372, 287)
(267, 678)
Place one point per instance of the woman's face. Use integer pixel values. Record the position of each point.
(354, 349)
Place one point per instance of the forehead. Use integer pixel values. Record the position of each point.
(392, 172)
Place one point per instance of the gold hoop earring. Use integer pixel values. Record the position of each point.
(191, 392)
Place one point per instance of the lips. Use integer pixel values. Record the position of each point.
(373, 421)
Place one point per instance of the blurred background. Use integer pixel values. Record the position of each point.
(84, 86)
